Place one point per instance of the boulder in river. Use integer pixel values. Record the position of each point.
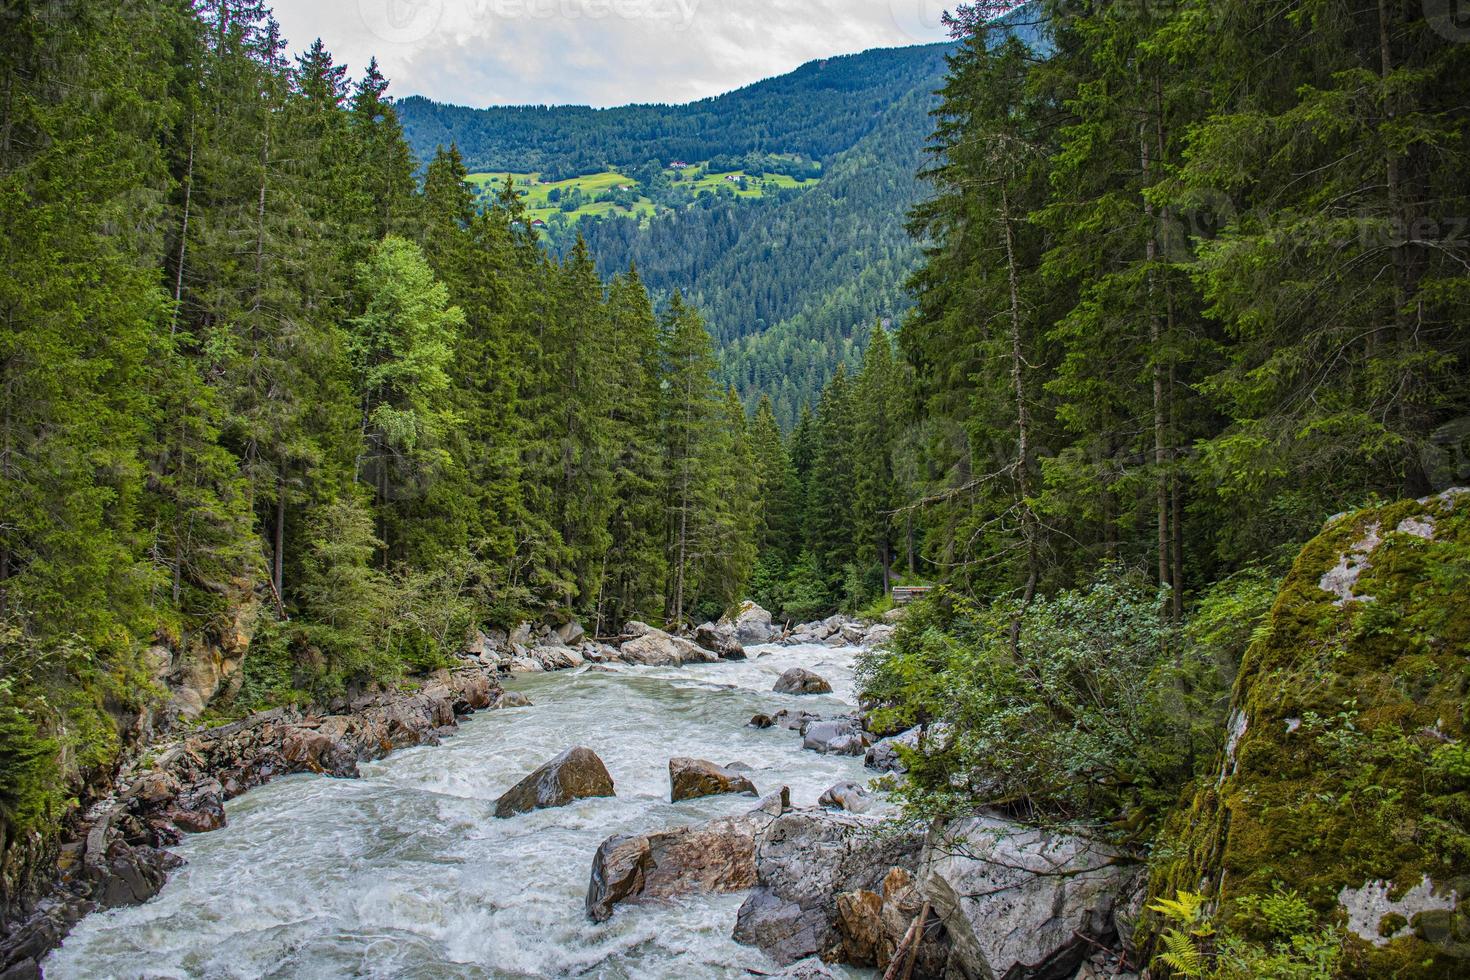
(692, 778)
(760, 721)
(652, 647)
(846, 795)
(718, 856)
(556, 657)
(799, 680)
(838, 736)
(719, 639)
(511, 699)
(796, 721)
(575, 774)
(753, 624)
(805, 859)
(883, 755)
(811, 968)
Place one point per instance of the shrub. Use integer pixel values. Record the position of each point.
(1084, 707)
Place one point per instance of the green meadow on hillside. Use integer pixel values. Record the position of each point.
(612, 192)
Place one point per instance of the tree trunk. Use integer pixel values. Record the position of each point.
(183, 234)
(278, 545)
(1023, 421)
(1155, 338)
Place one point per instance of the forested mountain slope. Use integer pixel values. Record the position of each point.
(789, 284)
(819, 110)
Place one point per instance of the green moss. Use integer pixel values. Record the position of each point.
(1353, 766)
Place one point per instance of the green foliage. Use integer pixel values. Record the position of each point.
(1288, 941)
(1087, 706)
(805, 595)
(29, 794)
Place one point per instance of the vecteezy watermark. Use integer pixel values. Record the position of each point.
(408, 21)
(922, 20)
(1450, 19)
(401, 21)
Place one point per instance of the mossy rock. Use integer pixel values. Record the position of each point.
(1347, 763)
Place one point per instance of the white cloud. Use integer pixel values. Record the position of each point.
(597, 52)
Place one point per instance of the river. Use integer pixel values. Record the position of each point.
(406, 873)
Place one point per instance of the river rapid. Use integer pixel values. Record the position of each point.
(407, 873)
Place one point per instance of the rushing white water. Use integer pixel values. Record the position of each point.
(406, 873)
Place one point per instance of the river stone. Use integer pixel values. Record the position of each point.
(804, 859)
(511, 699)
(811, 968)
(796, 721)
(883, 754)
(873, 925)
(654, 648)
(692, 778)
(719, 639)
(878, 635)
(799, 680)
(839, 736)
(753, 624)
(718, 856)
(556, 657)
(575, 774)
(1020, 902)
(846, 795)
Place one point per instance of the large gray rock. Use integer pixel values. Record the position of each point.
(1021, 903)
(811, 968)
(693, 778)
(571, 633)
(652, 647)
(804, 859)
(838, 736)
(883, 754)
(575, 774)
(877, 636)
(556, 657)
(753, 624)
(796, 721)
(718, 856)
(719, 639)
(799, 680)
(846, 795)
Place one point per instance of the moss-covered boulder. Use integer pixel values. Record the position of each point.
(1346, 774)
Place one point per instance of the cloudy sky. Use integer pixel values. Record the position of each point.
(597, 52)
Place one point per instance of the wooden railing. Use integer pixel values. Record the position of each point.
(905, 594)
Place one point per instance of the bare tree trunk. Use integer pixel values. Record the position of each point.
(1023, 421)
(183, 233)
(909, 536)
(1155, 337)
(7, 446)
(1416, 480)
(278, 545)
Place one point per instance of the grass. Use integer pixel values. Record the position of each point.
(536, 195)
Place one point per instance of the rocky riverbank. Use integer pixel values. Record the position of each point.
(977, 898)
(118, 854)
(115, 852)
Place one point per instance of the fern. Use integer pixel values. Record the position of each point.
(1182, 954)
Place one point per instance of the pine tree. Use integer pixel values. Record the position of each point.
(690, 410)
(829, 502)
(400, 345)
(875, 492)
(634, 565)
